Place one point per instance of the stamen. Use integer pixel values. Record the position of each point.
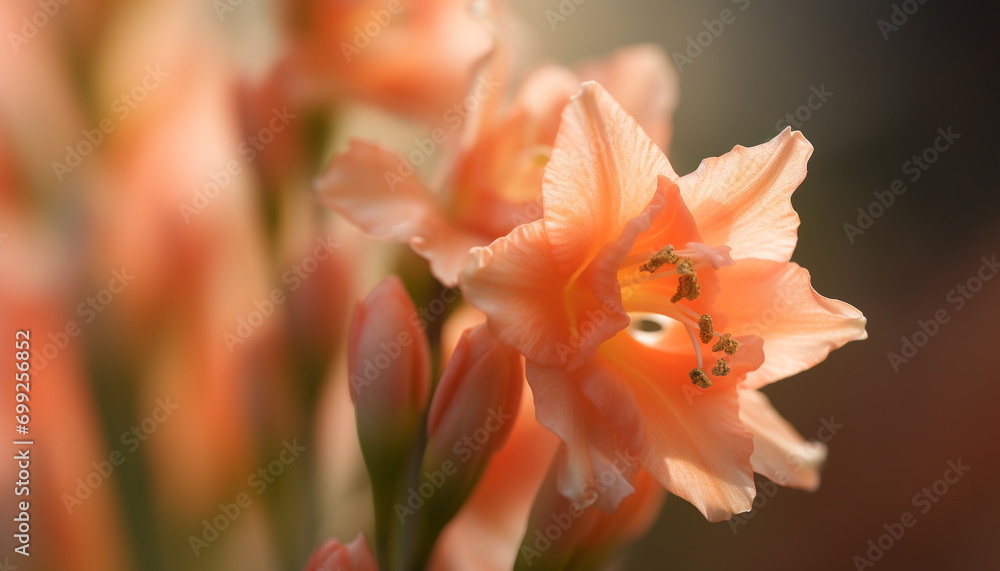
(721, 369)
(699, 378)
(687, 285)
(664, 256)
(726, 343)
(705, 327)
(697, 349)
(637, 278)
(688, 318)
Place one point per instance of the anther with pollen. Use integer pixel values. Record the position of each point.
(721, 369)
(726, 343)
(687, 285)
(705, 329)
(699, 378)
(664, 256)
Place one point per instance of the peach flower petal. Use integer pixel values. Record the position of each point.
(365, 185)
(673, 225)
(695, 445)
(779, 452)
(499, 179)
(602, 174)
(609, 533)
(542, 97)
(776, 301)
(511, 282)
(552, 325)
(643, 80)
(596, 415)
(414, 58)
(501, 175)
(743, 198)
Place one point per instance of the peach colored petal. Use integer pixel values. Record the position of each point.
(588, 538)
(447, 249)
(556, 320)
(673, 225)
(779, 452)
(418, 61)
(776, 301)
(365, 185)
(695, 445)
(642, 79)
(542, 97)
(595, 413)
(541, 547)
(501, 175)
(493, 205)
(609, 533)
(511, 282)
(602, 174)
(499, 178)
(597, 299)
(743, 198)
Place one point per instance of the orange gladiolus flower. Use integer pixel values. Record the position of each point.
(694, 258)
(495, 184)
(414, 58)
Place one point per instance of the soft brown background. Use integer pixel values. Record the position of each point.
(937, 70)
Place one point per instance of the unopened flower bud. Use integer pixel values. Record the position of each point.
(471, 415)
(388, 362)
(389, 368)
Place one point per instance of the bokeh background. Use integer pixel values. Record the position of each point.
(162, 336)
